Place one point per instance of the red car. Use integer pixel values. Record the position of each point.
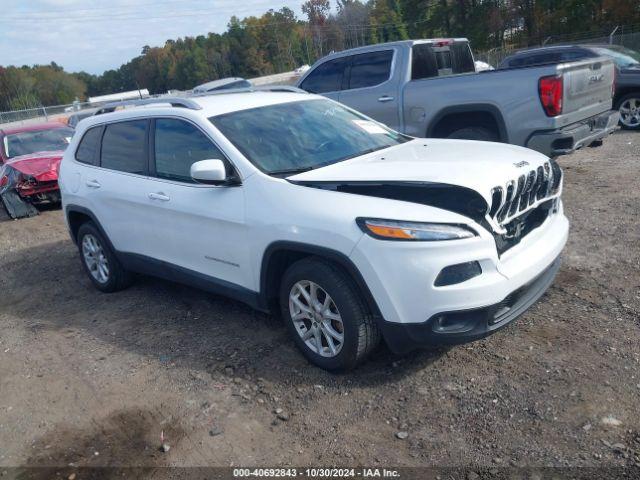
(29, 161)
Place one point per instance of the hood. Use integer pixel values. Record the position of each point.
(488, 182)
(43, 166)
(479, 166)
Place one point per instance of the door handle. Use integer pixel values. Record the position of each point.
(93, 184)
(159, 196)
(385, 98)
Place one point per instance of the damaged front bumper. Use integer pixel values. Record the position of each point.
(19, 192)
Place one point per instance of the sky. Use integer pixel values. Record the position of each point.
(95, 36)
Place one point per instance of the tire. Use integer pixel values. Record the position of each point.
(629, 108)
(474, 133)
(360, 334)
(91, 243)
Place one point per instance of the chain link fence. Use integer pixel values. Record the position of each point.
(46, 114)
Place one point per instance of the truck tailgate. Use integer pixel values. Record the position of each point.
(587, 89)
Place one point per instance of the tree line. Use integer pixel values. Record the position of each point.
(278, 41)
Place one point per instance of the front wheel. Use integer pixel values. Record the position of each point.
(326, 315)
(630, 111)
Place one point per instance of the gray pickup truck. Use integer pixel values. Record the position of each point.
(429, 88)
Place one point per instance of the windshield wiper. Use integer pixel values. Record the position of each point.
(291, 171)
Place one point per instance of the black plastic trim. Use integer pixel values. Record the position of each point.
(88, 213)
(481, 322)
(150, 266)
(330, 254)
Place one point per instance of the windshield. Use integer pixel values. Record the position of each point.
(293, 137)
(623, 57)
(25, 143)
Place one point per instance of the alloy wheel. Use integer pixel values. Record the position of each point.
(630, 112)
(316, 318)
(95, 258)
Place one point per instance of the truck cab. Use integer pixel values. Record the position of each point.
(369, 79)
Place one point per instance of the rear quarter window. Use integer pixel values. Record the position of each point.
(124, 147)
(89, 147)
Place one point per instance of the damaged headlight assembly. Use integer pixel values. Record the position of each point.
(413, 231)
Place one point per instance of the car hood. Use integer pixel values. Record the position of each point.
(43, 166)
(490, 183)
(478, 166)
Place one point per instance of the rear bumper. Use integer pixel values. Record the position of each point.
(455, 327)
(575, 136)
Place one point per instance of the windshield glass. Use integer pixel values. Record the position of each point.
(293, 137)
(623, 57)
(25, 143)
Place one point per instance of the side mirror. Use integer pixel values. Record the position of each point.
(211, 172)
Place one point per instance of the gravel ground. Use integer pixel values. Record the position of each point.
(90, 379)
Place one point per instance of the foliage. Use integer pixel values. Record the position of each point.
(277, 41)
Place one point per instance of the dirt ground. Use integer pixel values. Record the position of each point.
(90, 379)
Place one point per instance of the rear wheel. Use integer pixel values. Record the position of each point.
(326, 315)
(99, 261)
(474, 133)
(630, 111)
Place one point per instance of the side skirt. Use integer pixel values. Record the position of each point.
(157, 268)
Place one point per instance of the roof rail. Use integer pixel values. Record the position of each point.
(173, 101)
(187, 102)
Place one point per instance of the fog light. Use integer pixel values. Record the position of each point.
(458, 273)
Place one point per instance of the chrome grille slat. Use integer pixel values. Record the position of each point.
(516, 196)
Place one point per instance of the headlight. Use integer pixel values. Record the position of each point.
(418, 231)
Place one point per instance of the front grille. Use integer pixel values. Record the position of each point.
(523, 204)
(518, 195)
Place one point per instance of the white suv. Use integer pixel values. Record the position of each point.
(295, 204)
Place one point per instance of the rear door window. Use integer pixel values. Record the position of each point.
(326, 77)
(179, 144)
(370, 69)
(89, 148)
(423, 62)
(124, 147)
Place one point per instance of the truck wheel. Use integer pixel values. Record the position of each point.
(629, 108)
(326, 316)
(99, 261)
(474, 133)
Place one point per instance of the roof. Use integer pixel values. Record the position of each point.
(210, 105)
(381, 46)
(550, 48)
(33, 128)
(230, 102)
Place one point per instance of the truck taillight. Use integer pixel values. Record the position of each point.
(551, 91)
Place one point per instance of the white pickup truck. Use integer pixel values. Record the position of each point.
(429, 88)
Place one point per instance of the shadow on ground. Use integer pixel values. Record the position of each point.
(46, 287)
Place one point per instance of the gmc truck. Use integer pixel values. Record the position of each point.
(429, 88)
